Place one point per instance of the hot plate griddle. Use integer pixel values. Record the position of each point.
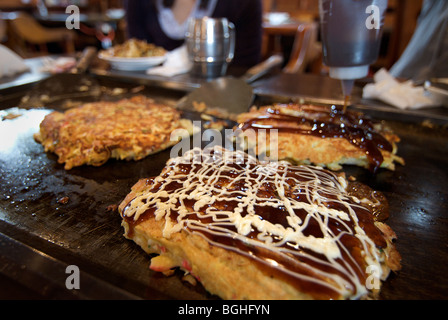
(51, 218)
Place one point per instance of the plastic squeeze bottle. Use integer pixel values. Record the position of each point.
(351, 33)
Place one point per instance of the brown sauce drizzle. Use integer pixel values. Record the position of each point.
(346, 103)
(303, 261)
(326, 122)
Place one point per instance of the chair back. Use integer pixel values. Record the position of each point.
(303, 48)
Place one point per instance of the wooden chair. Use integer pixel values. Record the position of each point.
(306, 49)
(28, 31)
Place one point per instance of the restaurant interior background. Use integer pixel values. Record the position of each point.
(290, 28)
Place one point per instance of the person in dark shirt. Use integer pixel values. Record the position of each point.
(164, 22)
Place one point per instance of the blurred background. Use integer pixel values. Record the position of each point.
(37, 27)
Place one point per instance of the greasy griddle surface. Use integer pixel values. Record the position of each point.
(86, 230)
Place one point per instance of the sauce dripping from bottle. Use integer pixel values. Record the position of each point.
(347, 87)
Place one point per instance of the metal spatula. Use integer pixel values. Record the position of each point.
(232, 95)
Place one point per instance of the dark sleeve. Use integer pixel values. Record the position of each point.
(136, 11)
(143, 24)
(247, 17)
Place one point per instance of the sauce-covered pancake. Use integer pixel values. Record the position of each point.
(320, 135)
(271, 230)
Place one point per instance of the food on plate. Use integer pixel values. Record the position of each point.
(247, 229)
(129, 129)
(319, 135)
(134, 48)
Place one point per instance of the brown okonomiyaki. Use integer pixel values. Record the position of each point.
(128, 129)
(262, 230)
(318, 135)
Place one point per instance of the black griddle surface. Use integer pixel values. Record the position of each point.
(39, 236)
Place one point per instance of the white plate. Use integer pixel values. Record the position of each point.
(132, 64)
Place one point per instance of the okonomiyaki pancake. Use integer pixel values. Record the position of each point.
(271, 230)
(129, 129)
(319, 135)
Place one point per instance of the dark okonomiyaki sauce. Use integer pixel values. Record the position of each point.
(285, 266)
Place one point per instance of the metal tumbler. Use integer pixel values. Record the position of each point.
(210, 45)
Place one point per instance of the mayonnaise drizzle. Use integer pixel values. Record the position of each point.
(211, 179)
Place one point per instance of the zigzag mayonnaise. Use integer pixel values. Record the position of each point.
(296, 221)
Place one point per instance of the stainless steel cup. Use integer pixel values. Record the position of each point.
(210, 45)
